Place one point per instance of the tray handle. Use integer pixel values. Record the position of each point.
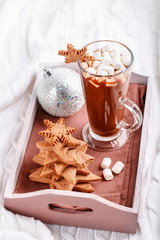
(66, 208)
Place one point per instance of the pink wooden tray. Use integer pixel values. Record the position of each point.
(64, 207)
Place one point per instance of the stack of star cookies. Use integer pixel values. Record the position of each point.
(63, 160)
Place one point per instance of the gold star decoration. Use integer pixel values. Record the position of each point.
(72, 54)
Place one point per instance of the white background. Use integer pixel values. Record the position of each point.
(31, 33)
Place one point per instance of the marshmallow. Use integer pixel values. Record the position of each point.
(107, 47)
(106, 60)
(96, 64)
(115, 53)
(90, 53)
(116, 61)
(84, 65)
(100, 68)
(91, 70)
(121, 69)
(118, 167)
(107, 173)
(104, 73)
(106, 162)
(105, 53)
(110, 70)
(97, 55)
(126, 60)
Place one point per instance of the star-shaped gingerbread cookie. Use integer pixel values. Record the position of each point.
(56, 132)
(72, 54)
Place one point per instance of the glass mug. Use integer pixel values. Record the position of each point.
(106, 100)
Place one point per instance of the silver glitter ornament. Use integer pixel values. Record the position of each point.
(60, 92)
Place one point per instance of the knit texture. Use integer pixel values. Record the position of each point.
(32, 32)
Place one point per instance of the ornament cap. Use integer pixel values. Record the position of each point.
(47, 73)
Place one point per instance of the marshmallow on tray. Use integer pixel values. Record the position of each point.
(106, 162)
(107, 173)
(118, 167)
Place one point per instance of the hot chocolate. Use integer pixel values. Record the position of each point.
(105, 81)
(104, 104)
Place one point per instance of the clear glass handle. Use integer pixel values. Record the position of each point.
(137, 116)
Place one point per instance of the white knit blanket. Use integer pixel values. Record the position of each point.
(31, 32)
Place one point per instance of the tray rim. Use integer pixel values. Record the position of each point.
(31, 105)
